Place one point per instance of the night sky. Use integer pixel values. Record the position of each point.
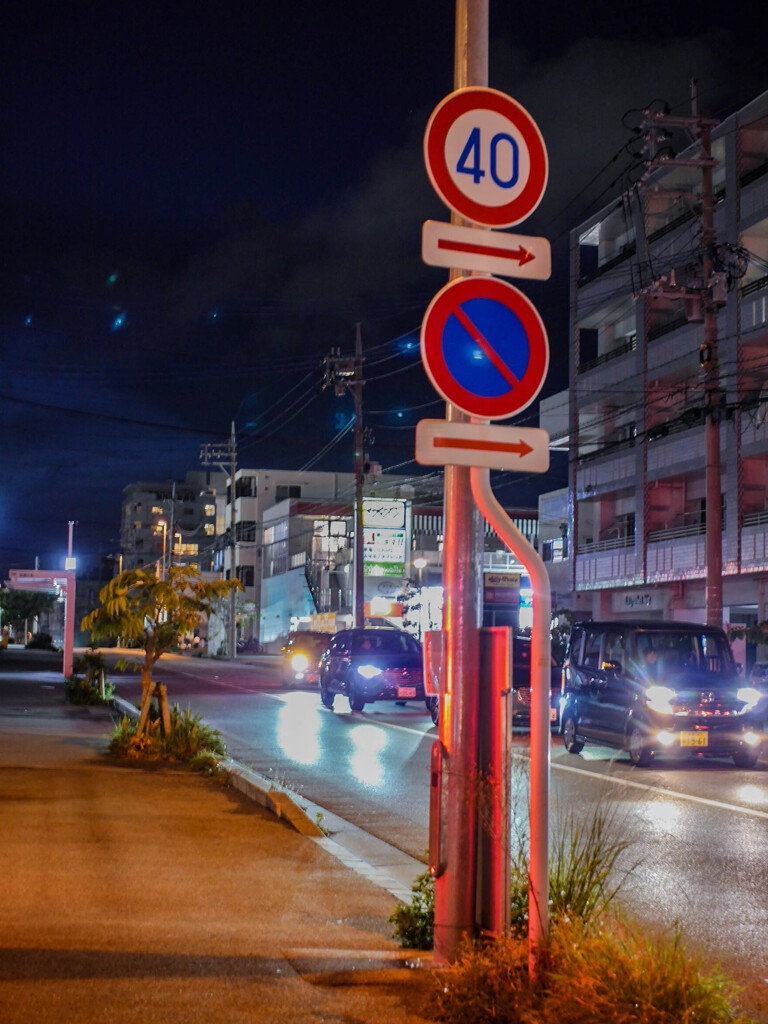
(200, 200)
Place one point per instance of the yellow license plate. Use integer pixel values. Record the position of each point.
(553, 714)
(693, 739)
(406, 691)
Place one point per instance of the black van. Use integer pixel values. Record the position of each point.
(657, 687)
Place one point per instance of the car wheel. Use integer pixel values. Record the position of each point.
(571, 744)
(433, 707)
(327, 697)
(746, 757)
(639, 752)
(356, 701)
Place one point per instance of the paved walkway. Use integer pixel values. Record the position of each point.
(154, 895)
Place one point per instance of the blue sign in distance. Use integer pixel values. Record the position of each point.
(484, 347)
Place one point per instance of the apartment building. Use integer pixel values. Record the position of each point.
(172, 522)
(628, 535)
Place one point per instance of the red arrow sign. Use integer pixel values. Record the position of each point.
(512, 448)
(490, 252)
(443, 443)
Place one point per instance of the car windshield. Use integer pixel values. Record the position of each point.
(672, 651)
(385, 643)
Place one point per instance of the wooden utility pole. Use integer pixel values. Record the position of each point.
(217, 455)
(357, 391)
(713, 397)
(346, 374)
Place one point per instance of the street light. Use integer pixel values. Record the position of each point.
(164, 526)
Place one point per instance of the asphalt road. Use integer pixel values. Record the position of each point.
(698, 831)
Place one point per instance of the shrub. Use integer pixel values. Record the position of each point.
(588, 976)
(40, 642)
(190, 736)
(414, 924)
(488, 982)
(583, 878)
(88, 689)
(583, 875)
(621, 974)
(189, 740)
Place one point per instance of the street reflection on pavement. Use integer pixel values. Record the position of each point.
(365, 760)
(298, 725)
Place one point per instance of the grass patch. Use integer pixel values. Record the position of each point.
(607, 975)
(584, 877)
(190, 741)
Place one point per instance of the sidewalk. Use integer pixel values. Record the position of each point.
(134, 894)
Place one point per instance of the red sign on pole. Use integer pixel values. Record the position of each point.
(486, 157)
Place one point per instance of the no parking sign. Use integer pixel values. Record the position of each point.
(484, 347)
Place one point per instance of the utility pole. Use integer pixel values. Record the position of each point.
(713, 395)
(701, 304)
(347, 374)
(456, 879)
(173, 513)
(217, 455)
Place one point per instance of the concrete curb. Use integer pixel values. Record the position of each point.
(279, 802)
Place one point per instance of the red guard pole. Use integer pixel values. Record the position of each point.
(538, 908)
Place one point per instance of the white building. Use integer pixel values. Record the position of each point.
(627, 537)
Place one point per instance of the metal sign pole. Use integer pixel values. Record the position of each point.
(455, 887)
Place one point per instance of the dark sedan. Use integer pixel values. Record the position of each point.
(367, 665)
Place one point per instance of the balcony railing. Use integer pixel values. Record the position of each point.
(609, 448)
(606, 357)
(606, 545)
(754, 286)
(627, 250)
(675, 532)
(662, 329)
(754, 518)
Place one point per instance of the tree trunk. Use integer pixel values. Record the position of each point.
(147, 691)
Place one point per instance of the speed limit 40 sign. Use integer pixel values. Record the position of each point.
(486, 157)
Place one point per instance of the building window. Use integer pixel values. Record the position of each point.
(157, 510)
(283, 491)
(210, 529)
(185, 549)
(210, 510)
(245, 575)
(245, 487)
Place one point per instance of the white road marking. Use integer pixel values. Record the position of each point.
(651, 788)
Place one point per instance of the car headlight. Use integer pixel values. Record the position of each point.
(659, 698)
(368, 671)
(299, 663)
(750, 696)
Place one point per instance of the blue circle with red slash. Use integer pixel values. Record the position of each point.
(484, 347)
